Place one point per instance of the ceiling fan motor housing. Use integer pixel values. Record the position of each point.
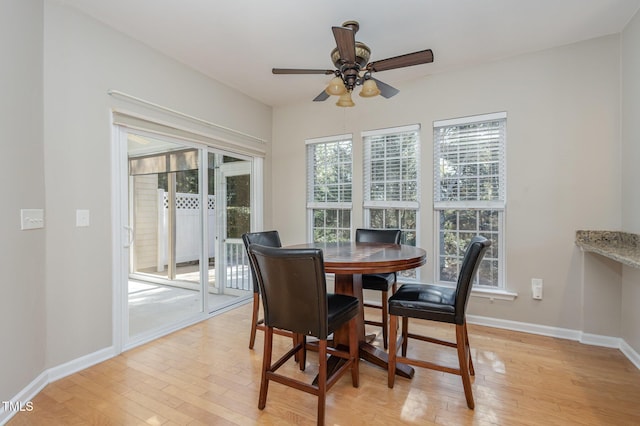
(349, 69)
(363, 53)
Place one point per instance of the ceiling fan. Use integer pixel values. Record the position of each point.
(351, 59)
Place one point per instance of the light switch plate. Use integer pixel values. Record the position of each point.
(31, 219)
(82, 218)
(536, 288)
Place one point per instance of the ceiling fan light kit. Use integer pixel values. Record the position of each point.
(351, 59)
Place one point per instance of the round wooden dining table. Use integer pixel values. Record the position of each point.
(349, 261)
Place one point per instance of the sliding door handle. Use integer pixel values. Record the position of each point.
(130, 236)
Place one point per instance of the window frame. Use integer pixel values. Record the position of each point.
(311, 204)
(498, 204)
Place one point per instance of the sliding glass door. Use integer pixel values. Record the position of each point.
(186, 257)
(164, 285)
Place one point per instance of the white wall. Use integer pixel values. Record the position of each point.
(22, 305)
(83, 59)
(563, 157)
(631, 175)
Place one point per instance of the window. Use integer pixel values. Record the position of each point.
(391, 176)
(329, 177)
(469, 194)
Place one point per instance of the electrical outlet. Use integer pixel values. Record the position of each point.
(82, 218)
(536, 288)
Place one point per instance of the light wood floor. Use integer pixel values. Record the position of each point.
(206, 375)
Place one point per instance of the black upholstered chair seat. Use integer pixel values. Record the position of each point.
(340, 309)
(424, 301)
(379, 282)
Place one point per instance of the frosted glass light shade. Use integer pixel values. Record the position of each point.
(336, 87)
(369, 89)
(345, 100)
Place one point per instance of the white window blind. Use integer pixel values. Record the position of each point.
(329, 188)
(391, 167)
(469, 162)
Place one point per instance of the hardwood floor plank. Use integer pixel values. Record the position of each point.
(173, 414)
(205, 375)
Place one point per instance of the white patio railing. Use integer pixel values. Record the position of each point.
(187, 227)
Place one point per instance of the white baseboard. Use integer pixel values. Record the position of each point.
(27, 394)
(599, 340)
(51, 375)
(562, 333)
(79, 364)
(543, 330)
(633, 356)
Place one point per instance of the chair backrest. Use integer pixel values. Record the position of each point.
(293, 287)
(264, 238)
(472, 258)
(378, 236)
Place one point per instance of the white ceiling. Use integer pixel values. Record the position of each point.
(238, 42)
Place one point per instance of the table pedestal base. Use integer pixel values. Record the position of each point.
(371, 354)
(380, 358)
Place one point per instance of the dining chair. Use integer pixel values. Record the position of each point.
(294, 297)
(440, 304)
(270, 239)
(379, 282)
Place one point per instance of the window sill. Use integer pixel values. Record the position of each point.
(485, 293)
(494, 294)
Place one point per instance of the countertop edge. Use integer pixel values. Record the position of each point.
(622, 247)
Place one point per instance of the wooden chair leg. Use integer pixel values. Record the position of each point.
(322, 379)
(464, 366)
(393, 329)
(295, 339)
(466, 340)
(266, 366)
(254, 319)
(354, 353)
(302, 354)
(405, 335)
(385, 318)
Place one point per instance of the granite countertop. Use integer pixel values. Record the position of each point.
(622, 247)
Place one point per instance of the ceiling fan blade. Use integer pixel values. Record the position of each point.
(386, 91)
(323, 96)
(346, 42)
(301, 71)
(410, 59)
